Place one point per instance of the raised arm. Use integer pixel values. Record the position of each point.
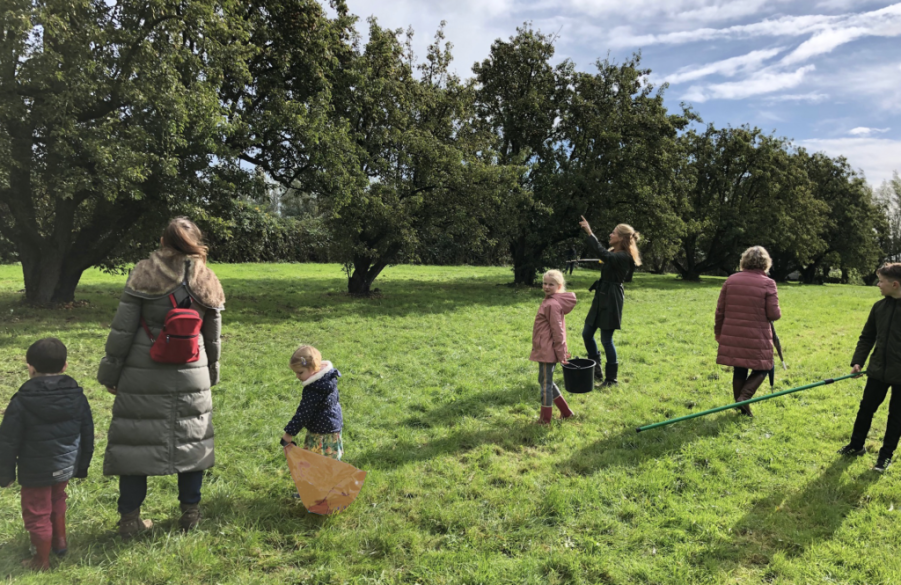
(212, 333)
(120, 339)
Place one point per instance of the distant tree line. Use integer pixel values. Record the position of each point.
(288, 137)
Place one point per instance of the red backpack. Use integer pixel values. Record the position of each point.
(179, 341)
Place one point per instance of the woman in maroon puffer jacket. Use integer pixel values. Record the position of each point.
(747, 305)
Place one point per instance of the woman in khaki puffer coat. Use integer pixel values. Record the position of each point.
(747, 306)
(162, 413)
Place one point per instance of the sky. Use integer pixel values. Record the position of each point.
(824, 73)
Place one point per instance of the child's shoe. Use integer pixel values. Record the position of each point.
(565, 412)
(130, 524)
(547, 413)
(882, 464)
(40, 561)
(851, 450)
(58, 542)
(190, 516)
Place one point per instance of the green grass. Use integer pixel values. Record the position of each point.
(439, 400)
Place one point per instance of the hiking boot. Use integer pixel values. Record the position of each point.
(190, 516)
(851, 450)
(882, 464)
(130, 524)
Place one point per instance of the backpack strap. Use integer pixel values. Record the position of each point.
(147, 330)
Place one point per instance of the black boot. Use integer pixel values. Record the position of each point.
(610, 371)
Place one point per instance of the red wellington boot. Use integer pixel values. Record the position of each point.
(41, 559)
(58, 543)
(547, 413)
(565, 412)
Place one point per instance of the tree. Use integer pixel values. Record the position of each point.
(105, 110)
(853, 221)
(745, 188)
(426, 167)
(115, 116)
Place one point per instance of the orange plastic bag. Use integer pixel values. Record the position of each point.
(325, 485)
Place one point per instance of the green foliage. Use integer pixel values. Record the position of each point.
(463, 488)
(745, 188)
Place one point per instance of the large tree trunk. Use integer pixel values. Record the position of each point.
(525, 262)
(364, 274)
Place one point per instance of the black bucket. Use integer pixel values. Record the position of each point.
(578, 376)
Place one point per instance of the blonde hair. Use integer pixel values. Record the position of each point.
(756, 258)
(629, 242)
(558, 279)
(306, 357)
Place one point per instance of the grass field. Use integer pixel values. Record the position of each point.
(439, 401)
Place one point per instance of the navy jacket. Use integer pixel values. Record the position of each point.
(319, 410)
(48, 431)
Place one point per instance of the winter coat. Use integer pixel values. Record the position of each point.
(162, 415)
(549, 331)
(882, 330)
(747, 304)
(319, 410)
(609, 296)
(48, 430)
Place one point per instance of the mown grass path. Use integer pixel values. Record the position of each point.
(439, 400)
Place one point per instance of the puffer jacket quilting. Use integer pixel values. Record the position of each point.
(748, 302)
(162, 415)
(48, 431)
(549, 330)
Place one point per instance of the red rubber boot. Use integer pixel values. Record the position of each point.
(565, 412)
(547, 413)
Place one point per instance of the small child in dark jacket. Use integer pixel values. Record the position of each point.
(319, 410)
(882, 330)
(48, 432)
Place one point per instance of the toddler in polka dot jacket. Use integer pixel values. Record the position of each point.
(319, 410)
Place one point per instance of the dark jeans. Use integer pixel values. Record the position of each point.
(133, 490)
(873, 395)
(591, 345)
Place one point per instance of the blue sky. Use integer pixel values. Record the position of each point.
(826, 74)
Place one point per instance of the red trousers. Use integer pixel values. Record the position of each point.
(44, 511)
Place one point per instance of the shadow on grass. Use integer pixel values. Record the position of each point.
(793, 522)
(477, 406)
(628, 448)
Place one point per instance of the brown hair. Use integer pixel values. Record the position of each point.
(306, 357)
(184, 236)
(890, 270)
(629, 242)
(756, 258)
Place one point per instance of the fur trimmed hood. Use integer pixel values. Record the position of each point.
(165, 270)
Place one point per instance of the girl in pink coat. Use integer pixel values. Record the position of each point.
(747, 305)
(549, 342)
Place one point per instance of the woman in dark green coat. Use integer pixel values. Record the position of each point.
(606, 313)
(162, 416)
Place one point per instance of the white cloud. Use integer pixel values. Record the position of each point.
(727, 67)
(680, 10)
(812, 97)
(829, 31)
(762, 82)
(864, 131)
(876, 157)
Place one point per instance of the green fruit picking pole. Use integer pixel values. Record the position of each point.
(758, 399)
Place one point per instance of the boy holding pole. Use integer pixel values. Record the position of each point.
(882, 330)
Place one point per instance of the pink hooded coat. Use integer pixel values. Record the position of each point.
(549, 331)
(748, 302)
